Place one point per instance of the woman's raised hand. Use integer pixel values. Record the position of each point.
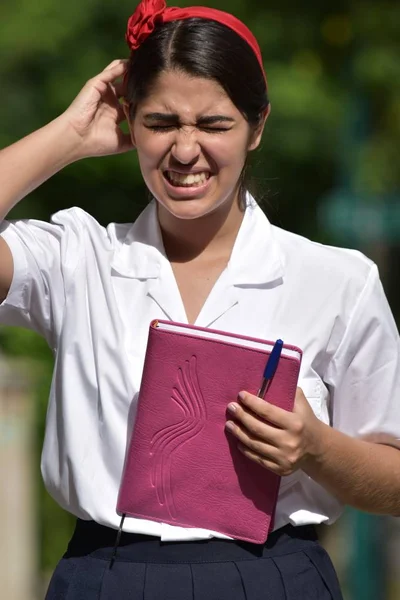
(96, 114)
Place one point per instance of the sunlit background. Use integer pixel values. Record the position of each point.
(329, 169)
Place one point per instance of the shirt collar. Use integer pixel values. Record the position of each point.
(256, 257)
(141, 253)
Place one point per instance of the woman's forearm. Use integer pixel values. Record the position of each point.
(359, 473)
(32, 160)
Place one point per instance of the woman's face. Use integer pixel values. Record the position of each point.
(192, 144)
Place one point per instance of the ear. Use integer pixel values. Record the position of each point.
(126, 109)
(257, 133)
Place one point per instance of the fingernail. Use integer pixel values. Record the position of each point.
(232, 407)
(242, 395)
(230, 426)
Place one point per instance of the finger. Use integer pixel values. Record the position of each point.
(267, 411)
(116, 91)
(120, 89)
(261, 460)
(104, 81)
(256, 427)
(111, 73)
(117, 62)
(257, 445)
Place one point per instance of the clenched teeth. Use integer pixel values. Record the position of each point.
(188, 180)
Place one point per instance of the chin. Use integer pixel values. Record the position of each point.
(189, 209)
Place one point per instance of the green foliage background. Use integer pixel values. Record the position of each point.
(328, 64)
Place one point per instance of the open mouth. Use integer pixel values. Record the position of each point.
(188, 180)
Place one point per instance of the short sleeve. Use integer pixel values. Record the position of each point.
(43, 255)
(364, 373)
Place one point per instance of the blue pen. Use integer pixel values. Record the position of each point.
(270, 368)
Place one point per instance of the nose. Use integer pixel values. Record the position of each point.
(186, 148)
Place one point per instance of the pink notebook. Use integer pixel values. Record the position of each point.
(182, 467)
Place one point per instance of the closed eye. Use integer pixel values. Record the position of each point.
(165, 128)
(160, 127)
(215, 129)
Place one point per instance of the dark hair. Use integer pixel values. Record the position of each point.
(203, 48)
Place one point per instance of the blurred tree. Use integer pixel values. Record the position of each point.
(49, 50)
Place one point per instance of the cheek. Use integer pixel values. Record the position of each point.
(227, 149)
(230, 157)
(151, 148)
(149, 151)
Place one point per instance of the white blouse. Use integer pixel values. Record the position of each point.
(92, 292)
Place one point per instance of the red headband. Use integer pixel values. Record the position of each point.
(150, 13)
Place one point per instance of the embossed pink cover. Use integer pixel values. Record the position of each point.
(181, 467)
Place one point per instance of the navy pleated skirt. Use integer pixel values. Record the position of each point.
(290, 566)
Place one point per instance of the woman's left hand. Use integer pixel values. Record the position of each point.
(279, 440)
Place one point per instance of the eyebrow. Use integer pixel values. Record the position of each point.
(174, 118)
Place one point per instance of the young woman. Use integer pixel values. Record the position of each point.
(202, 252)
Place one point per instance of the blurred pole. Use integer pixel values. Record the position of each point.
(367, 574)
(17, 512)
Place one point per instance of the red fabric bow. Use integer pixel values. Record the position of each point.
(143, 21)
